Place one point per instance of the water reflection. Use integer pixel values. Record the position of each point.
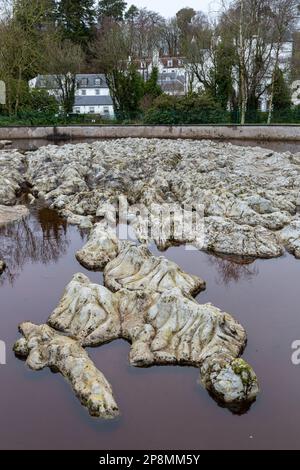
(39, 238)
(233, 269)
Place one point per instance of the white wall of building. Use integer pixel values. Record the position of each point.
(92, 92)
(104, 111)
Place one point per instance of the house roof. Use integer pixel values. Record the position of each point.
(173, 87)
(93, 101)
(171, 76)
(177, 62)
(172, 83)
(90, 77)
(49, 81)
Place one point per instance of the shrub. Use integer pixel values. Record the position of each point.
(39, 101)
(189, 109)
(288, 115)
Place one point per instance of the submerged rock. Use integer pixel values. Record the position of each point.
(174, 329)
(252, 192)
(10, 214)
(84, 222)
(224, 236)
(103, 245)
(163, 327)
(135, 268)
(44, 347)
(12, 176)
(290, 237)
(87, 312)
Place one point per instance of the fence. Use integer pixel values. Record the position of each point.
(156, 117)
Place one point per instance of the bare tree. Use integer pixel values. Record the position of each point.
(21, 46)
(146, 30)
(198, 46)
(250, 23)
(284, 13)
(170, 36)
(64, 60)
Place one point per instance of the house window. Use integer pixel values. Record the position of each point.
(84, 82)
(91, 110)
(97, 91)
(170, 63)
(97, 81)
(83, 92)
(106, 109)
(43, 83)
(77, 110)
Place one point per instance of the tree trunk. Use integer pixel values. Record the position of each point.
(243, 91)
(270, 111)
(18, 92)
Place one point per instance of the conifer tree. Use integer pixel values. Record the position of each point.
(77, 19)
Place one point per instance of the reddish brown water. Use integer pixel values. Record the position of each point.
(162, 407)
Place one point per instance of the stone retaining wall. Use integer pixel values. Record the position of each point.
(267, 133)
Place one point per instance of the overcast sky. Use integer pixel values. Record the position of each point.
(168, 8)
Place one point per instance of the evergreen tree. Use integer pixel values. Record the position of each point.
(113, 9)
(127, 90)
(131, 13)
(151, 87)
(282, 94)
(223, 74)
(151, 90)
(35, 16)
(76, 19)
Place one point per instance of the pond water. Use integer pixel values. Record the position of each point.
(161, 407)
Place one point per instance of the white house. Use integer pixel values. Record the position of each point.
(91, 97)
(172, 72)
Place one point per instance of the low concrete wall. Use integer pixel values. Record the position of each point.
(274, 132)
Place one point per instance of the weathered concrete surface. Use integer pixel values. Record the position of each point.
(44, 347)
(135, 268)
(163, 326)
(248, 195)
(87, 312)
(103, 246)
(11, 176)
(290, 237)
(274, 132)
